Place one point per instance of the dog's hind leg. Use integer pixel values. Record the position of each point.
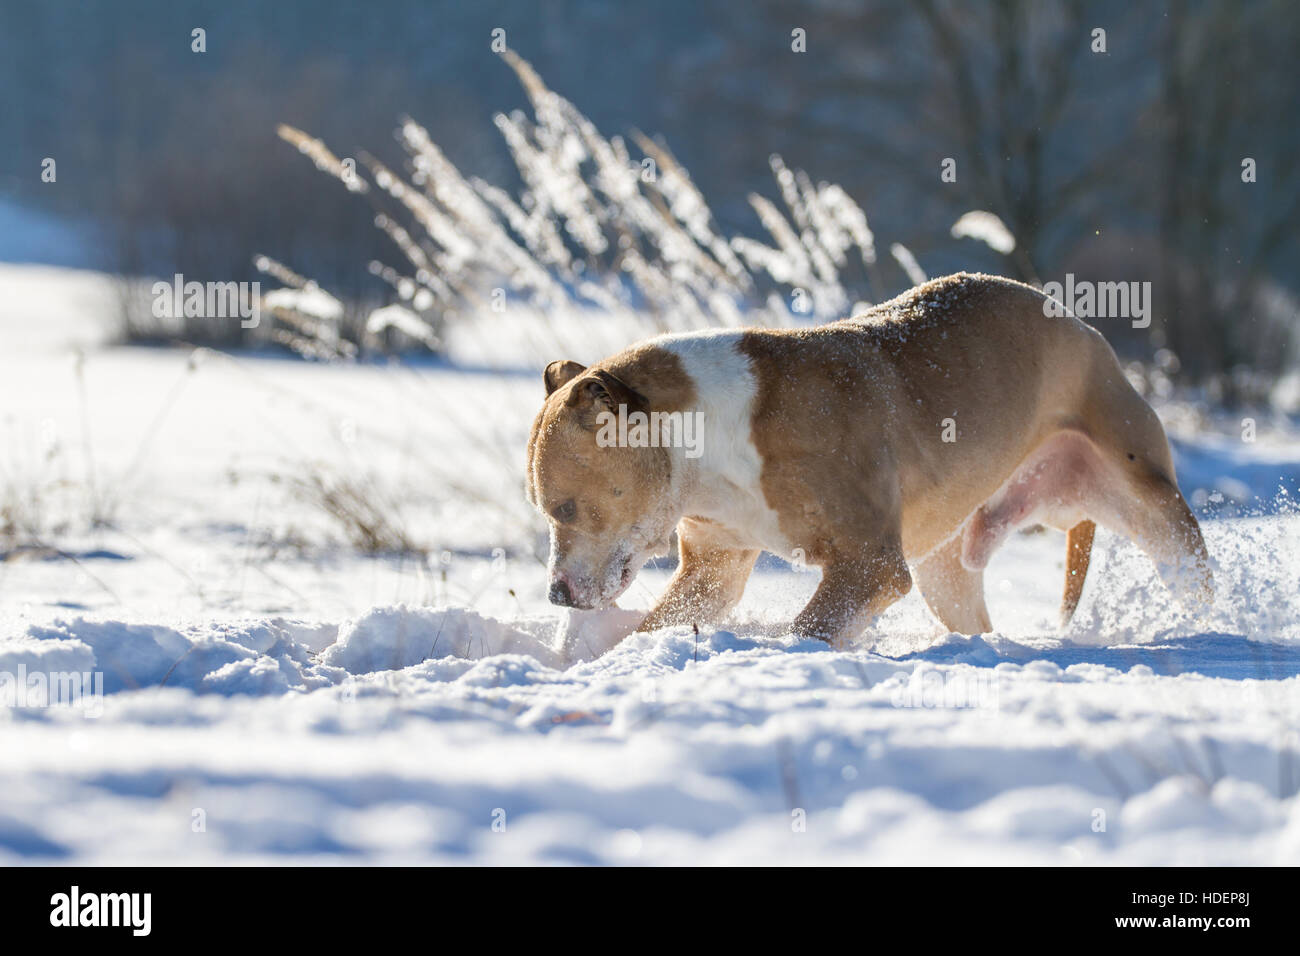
(1078, 554)
(954, 593)
(1157, 519)
(1142, 500)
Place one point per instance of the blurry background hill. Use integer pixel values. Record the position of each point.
(1117, 166)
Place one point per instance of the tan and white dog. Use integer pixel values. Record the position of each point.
(920, 433)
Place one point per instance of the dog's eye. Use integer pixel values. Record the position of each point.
(566, 512)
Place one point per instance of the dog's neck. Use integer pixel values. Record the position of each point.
(722, 484)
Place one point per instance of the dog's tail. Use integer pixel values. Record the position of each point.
(1078, 552)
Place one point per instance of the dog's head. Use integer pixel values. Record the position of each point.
(610, 507)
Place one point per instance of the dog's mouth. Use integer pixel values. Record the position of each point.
(624, 582)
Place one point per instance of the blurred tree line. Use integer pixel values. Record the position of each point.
(1120, 163)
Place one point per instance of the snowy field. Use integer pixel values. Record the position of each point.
(273, 694)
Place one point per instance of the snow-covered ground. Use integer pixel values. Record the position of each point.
(270, 693)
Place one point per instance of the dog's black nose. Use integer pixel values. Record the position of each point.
(560, 594)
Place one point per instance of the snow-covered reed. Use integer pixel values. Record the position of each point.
(602, 225)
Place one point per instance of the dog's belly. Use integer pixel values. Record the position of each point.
(1055, 485)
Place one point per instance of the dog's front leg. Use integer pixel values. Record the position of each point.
(708, 583)
(851, 593)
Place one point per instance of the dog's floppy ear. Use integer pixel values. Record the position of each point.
(605, 391)
(561, 372)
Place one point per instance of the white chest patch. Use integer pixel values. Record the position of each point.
(726, 486)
